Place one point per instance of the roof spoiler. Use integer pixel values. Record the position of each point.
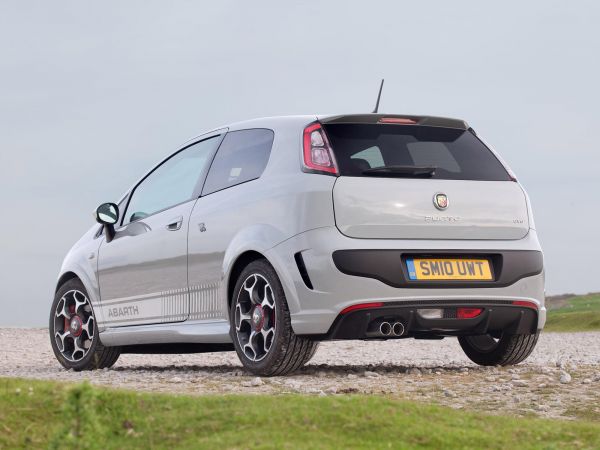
(430, 121)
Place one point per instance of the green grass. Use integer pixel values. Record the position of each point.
(579, 314)
(53, 415)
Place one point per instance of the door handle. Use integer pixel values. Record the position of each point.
(175, 224)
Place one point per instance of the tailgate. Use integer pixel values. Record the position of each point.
(396, 208)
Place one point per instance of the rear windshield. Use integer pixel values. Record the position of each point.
(455, 154)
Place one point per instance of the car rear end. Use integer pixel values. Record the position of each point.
(433, 235)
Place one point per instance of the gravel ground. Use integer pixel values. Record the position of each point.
(560, 379)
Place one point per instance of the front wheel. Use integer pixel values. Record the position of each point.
(73, 331)
(261, 326)
(506, 350)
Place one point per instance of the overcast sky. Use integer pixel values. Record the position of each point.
(93, 93)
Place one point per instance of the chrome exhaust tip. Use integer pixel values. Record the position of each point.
(385, 328)
(398, 329)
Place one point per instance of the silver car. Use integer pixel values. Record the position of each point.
(271, 235)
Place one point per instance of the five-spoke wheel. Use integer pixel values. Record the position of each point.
(73, 325)
(73, 331)
(261, 327)
(255, 317)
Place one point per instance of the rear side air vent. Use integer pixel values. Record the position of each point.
(302, 270)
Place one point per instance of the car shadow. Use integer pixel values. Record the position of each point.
(311, 370)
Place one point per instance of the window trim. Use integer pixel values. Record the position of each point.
(202, 194)
(218, 134)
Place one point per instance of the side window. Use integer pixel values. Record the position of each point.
(171, 183)
(242, 157)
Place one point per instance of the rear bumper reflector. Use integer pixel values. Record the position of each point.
(526, 304)
(361, 306)
(468, 313)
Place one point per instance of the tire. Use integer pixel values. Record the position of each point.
(72, 310)
(285, 351)
(313, 351)
(509, 349)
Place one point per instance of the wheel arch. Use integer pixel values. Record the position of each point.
(89, 283)
(248, 244)
(235, 264)
(64, 278)
(236, 269)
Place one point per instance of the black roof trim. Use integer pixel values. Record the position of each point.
(429, 121)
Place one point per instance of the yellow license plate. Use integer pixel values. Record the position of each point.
(448, 269)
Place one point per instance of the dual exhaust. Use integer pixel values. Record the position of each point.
(389, 329)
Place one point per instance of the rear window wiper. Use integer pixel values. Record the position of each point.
(401, 171)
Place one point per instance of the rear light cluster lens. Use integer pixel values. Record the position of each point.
(438, 313)
(318, 156)
(397, 120)
(431, 313)
(468, 313)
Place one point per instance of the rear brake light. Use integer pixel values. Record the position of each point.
(397, 120)
(318, 156)
(468, 313)
(361, 306)
(525, 303)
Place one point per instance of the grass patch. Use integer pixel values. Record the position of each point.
(585, 412)
(49, 414)
(580, 313)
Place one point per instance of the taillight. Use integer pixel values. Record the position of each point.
(468, 313)
(318, 156)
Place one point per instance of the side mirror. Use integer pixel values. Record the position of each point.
(108, 215)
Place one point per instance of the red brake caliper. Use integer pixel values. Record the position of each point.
(68, 320)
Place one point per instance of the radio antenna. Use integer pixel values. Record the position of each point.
(378, 97)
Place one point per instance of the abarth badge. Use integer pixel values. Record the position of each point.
(441, 201)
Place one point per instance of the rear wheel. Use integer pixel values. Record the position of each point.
(73, 331)
(312, 353)
(505, 350)
(261, 326)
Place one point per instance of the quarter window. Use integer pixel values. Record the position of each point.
(242, 157)
(171, 183)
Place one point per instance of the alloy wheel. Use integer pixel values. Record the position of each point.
(74, 325)
(254, 317)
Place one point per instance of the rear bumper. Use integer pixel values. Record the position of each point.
(314, 310)
(389, 266)
(495, 317)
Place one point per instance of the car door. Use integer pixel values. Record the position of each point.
(226, 206)
(142, 272)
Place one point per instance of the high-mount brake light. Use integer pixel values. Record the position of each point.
(398, 120)
(468, 313)
(318, 156)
